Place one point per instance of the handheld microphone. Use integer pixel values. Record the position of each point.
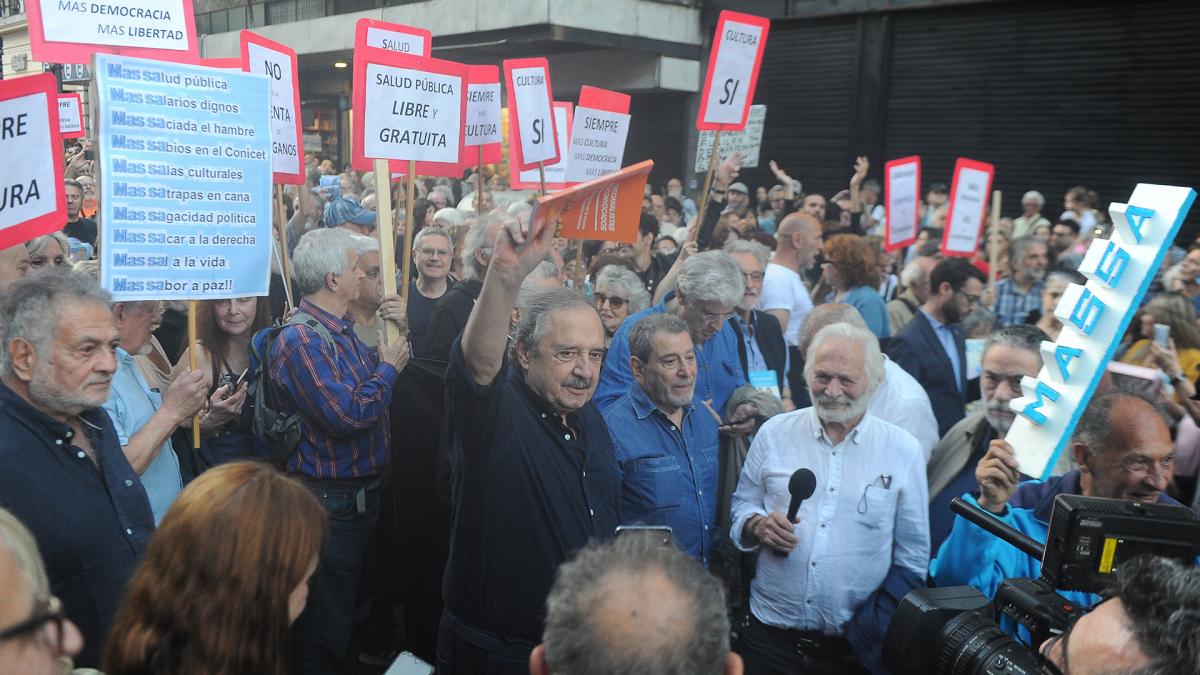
(801, 485)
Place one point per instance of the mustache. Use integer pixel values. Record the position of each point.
(577, 382)
(830, 401)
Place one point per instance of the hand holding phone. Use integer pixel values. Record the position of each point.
(1162, 335)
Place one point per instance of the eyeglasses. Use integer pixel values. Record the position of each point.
(613, 301)
(48, 617)
(972, 300)
(753, 276)
(438, 252)
(717, 318)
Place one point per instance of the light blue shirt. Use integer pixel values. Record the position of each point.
(870, 305)
(131, 403)
(946, 337)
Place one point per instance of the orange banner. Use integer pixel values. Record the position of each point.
(607, 208)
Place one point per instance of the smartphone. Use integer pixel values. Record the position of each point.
(661, 532)
(1162, 334)
(407, 664)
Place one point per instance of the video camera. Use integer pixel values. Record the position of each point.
(955, 631)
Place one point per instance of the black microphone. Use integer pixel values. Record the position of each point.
(802, 484)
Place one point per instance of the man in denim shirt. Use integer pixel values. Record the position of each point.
(666, 446)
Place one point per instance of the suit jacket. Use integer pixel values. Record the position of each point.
(917, 350)
(769, 337)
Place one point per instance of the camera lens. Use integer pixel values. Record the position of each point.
(974, 645)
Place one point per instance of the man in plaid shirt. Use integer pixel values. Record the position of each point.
(1021, 292)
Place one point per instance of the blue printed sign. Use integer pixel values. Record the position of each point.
(185, 180)
(1094, 318)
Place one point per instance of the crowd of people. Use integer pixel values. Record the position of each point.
(570, 456)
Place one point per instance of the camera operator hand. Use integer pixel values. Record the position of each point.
(997, 475)
(773, 531)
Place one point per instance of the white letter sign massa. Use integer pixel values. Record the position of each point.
(1094, 318)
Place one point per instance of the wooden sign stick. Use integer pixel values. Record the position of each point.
(708, 178)
(406, 254)
(542, 176)
(387, 239)
(191, 340)
(479, 185)
(285, 266)
(993, 232)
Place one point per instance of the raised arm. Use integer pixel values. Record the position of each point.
(516, 252)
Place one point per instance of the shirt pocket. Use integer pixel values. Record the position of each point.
(651, 484)
(876, 508)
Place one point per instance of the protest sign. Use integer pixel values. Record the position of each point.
(278, 63)
(32, 202)
(968, 200)
(70, 31)
(598, 133)
(902, 197)
(185, 180)
(1094, 317)
(606, 208)
(482, 127)
(732, 76)
(70, 116)
(393, 37)
(555, 172)
(748, 141)
(408, 108)
(531, 120)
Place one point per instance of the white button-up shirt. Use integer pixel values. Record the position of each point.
(902, 401)
(869, 511)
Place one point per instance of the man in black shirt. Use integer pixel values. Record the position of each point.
(650, 267)
(77, 227)
(534, 472)
(449, 316)
(432, 249)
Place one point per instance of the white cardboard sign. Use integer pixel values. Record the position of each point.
(396, 41)
(968, 203)
(556, 172)
(530, 95)
(146, 24)
(734, 71)
(597, 144)
(28, 188)
(285, 143)
(483, 114)
(412, 114)
(1094, 317)
(902, 192)
(748, 141)
(70, 116)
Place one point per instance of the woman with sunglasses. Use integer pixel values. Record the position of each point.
(35, 636)
(618, 293)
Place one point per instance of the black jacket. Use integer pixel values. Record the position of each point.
(916, 349)
(769, 337)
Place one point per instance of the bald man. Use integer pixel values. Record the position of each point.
(784, 295)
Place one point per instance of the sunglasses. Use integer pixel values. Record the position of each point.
(613, 301)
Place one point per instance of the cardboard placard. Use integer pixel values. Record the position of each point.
(902, 200)
(968, 203)
(531, 120)
(70, 116)
(598, 134)
(32, 201)
(278, 63)
(1094, 317)
(555, 171)
(393, 37)
(483, 121)
(408, 108)
(732, 76)
(226, 63)
(71, 31)
(606, 208)
(185, 185)
(748, 141)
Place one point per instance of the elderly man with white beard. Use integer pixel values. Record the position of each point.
(868, 512)
(1008, 355)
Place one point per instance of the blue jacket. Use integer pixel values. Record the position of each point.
(972, 556)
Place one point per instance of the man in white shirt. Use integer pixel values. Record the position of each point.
(868, 513)
(784, 295)
(899, 399)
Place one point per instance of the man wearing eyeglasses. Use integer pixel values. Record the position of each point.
(931, 347)
(432, 249)
(1124, 451)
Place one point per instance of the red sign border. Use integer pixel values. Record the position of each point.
(81, 52)
(78, 106)
(514, 122)
(51, 221)
(960, 164)
(245, 38)
(493, 153)
(514, 152)
(727, 15)
(360, 34)
(889, 245)
(366, 55)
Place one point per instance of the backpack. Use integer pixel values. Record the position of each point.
(279, 432)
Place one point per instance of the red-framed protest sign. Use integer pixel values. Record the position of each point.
(902, 200)
(393, 37)
(32, 201)
(968, 203)
(530, 111)
(482, 125)
(732, 76)
(598, 134)
(70, 116)
(63, 31)
(556, 172)
(223, 62)
(408, 108)
(606, 208)
(278, 63)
